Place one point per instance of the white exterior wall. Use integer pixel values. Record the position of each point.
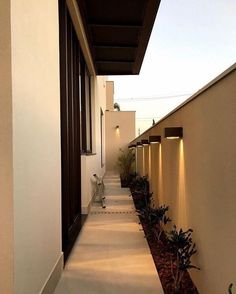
(91, 163)
(31, 260)
(36, 142)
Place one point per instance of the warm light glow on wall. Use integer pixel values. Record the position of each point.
(155, 153)
(139, 158)
(172, 138)
(139, 144)
(117, 131)
(160, 177)
(144, 142)
(182, 217)
(154, 139)
(132, 146)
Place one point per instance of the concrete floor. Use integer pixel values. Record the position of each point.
(111, 255)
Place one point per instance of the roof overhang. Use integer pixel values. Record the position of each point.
(118, 32)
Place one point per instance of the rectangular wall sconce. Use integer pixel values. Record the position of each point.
(154, 139)
(145, 142)
(174, 133)
(132, 146)
(139, 144)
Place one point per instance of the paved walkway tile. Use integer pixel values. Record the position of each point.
(111, 255)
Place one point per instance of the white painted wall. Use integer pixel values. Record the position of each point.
(36, 138)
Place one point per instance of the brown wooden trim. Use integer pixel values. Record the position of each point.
(149, 19)
(70, 130)
(90, 116)
(114, 26)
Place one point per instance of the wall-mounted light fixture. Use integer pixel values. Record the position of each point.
(132, 146)
(174, 133)
(117, 127)
(144, 142)
(154, 139)
(139, 144)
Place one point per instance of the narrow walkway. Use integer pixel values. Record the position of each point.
(111, 255)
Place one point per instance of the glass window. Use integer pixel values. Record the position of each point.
(86, 124)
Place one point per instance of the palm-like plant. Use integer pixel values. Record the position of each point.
(125, 164)
(183, 248)
(116, 106)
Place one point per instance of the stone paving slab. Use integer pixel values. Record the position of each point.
(111, 255)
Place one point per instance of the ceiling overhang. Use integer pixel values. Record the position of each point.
(118, 32)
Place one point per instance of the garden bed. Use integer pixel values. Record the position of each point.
(164, 260)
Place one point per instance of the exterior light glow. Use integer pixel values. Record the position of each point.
(144, 142)
(132, 146)
(139, 144)
(154, 139)
(174, 133)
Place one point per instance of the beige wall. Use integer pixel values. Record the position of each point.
(36, 136)
(196, 177)
(91, 164)
(110, 95)
(117, 138)
(6, 165)
(139, 161)
(154, 173)
(146, 171)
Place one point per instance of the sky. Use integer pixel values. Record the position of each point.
(192, 42)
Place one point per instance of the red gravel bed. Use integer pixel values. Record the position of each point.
(163, 258)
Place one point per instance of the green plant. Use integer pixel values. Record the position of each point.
(159, 220)
(116, 106)
(183, 248)
(125, 164)
(154, 218)
(230, 288)
(139, 185)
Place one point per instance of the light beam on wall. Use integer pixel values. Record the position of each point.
(117, 128)
(182, 204)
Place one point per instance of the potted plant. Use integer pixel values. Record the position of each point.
(125, 165)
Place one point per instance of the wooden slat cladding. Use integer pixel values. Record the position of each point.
(70, 131)
(76, 126)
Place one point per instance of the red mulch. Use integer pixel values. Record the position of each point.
(162, 258)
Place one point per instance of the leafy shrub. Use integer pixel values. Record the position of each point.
(160, 220)
(154, 218)
(139, 185)
(183, 248)
(125, 164)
